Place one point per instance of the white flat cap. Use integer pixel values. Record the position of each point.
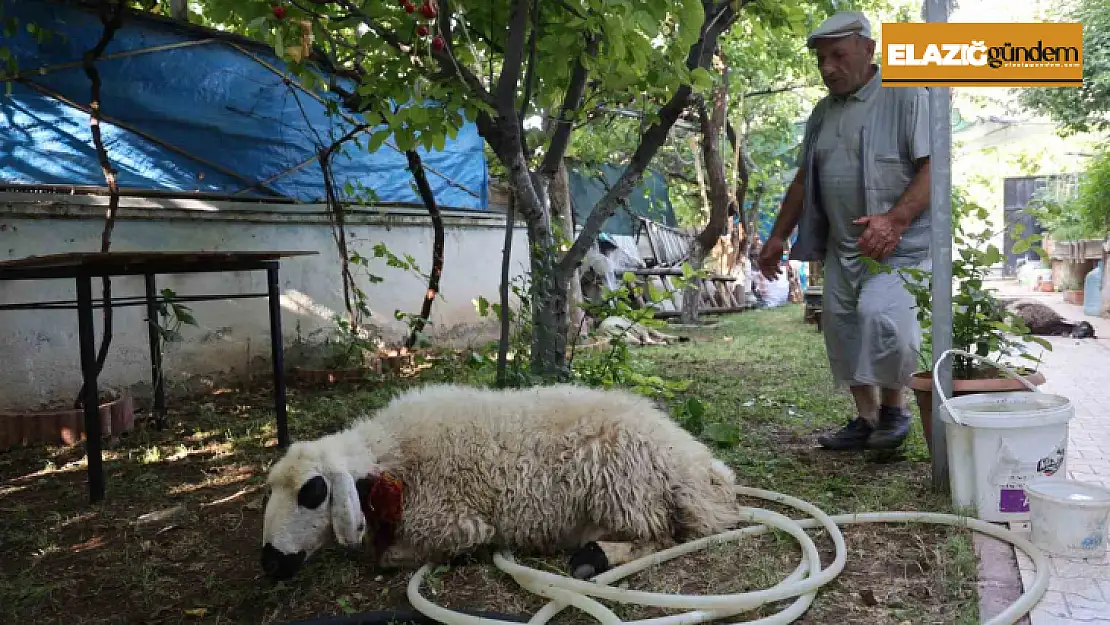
(840, 25)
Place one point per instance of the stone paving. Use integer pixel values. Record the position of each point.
(1079, 590)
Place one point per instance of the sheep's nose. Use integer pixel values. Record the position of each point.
(278, 565)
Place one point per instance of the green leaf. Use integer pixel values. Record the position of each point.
(694, 407)
(723, 434)
(374, 143)
(703, 81)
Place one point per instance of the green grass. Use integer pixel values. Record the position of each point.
(762, 378)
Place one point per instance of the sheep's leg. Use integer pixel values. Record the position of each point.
(446, 540)
(399, 556)
(596, 557)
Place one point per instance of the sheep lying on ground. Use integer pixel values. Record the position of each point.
(539, 470)
(632, 332)
(1043, 321)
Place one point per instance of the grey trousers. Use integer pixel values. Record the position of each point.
(872, 335)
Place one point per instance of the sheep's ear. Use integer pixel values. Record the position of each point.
(347, 519)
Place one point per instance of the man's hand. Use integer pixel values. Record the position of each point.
(770, 258)
(882, 235)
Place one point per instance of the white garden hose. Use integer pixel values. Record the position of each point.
(802, 584)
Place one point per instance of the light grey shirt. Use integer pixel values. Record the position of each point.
(859, 153)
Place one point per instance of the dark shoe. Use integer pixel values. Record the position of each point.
(893, 428)
(852, 436)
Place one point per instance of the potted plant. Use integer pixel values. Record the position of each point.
(1072, 288)
(62, 424)
(981, 324)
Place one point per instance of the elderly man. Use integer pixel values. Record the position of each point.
(861, 192)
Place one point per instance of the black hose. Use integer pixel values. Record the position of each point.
(398, 617)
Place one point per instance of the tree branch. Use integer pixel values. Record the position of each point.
(654, 137)
(339, 227)
(487, 39)
(445, 57)
(506, 255)
(505, 93)
(529, 75)
(775, 90)
(339, 234)
(570, 9)
(390, 38)
(572, 101)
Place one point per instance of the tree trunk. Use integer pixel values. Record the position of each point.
(706, 209)
(416, 166)
(559, 193)
(553, 272)
(111, 18)
(550, 320)
(711, 126)
(548, 284)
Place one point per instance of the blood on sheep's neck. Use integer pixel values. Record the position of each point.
(381, 499)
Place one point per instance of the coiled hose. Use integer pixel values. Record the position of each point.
(802, 584)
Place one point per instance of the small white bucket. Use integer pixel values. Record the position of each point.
(997, 442)
(1069, 517)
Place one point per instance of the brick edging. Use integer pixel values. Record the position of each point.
(999, 577)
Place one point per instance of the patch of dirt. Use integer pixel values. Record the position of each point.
(197, 561)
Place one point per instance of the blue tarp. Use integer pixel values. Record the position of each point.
(216, 120)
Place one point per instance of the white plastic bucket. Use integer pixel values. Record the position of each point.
(997, 442)
(1069, 517)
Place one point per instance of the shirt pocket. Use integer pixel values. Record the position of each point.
(889, 172)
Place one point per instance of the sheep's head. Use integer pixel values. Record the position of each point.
(313, 498)
(1083, 330)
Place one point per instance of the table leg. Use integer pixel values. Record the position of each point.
(277, 355)
(91, 400)
(155, 339)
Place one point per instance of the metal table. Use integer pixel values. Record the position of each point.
(83, 267)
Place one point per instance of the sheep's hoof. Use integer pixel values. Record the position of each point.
(589, 561)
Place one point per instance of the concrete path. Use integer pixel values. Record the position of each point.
(1079, 590)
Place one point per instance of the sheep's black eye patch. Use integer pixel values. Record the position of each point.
(313, 493)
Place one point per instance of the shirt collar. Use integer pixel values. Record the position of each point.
(867, 90)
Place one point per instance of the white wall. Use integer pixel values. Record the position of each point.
(39, 350)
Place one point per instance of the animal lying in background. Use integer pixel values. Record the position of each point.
(445, 471)
(632, 332)
(1044, 321)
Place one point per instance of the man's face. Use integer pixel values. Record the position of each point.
(844, 62)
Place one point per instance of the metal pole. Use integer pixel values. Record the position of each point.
(940, 207)
(277, 354)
